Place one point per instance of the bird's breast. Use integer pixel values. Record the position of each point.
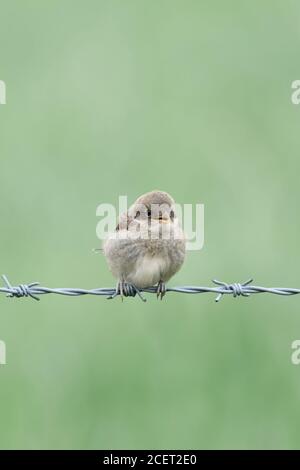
(149, 270)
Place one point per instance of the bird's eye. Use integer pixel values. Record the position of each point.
(149, 214)
(172, 215)
(137, 214)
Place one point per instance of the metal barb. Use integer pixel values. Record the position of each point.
(236, 289)
(22, 290)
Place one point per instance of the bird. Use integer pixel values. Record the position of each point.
(147, 246)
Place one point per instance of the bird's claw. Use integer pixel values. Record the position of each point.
(124, 289)
(161, 290)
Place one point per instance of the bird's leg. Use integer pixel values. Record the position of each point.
(121, 289)
(161, 290)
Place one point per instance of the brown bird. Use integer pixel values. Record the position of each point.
(148, 245)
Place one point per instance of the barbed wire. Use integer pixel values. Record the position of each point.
(236, 289)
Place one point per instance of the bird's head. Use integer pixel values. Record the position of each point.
(154, 207)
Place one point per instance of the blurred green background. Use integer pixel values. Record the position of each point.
(113, 97)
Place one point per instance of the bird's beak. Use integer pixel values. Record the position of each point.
(163, 219)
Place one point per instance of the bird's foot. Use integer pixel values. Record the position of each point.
(161, 290)
(124, 289)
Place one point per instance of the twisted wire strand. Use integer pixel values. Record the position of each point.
(237, 289)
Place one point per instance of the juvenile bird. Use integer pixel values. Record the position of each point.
(148, 246)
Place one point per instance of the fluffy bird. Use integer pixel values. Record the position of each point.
(148, 245)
